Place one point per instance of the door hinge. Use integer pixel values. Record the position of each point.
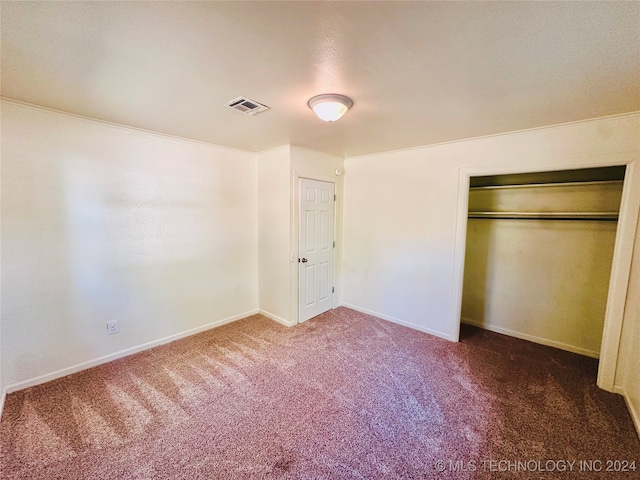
(334, 197)
(333, 289)
(334, 244)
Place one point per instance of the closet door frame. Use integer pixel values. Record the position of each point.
(623, 249)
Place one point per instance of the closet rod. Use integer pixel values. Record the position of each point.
(591, 216)
(554, 184)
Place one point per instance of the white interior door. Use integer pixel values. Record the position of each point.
(315, 259)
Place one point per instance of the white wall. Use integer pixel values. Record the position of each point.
(540, 280)
(401, 212)
(279, 171)
(274, 214)
(628, 375)
(102, 222)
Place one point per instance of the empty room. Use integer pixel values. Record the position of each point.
(319, 240)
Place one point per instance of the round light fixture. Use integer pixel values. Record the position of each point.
(330, 107)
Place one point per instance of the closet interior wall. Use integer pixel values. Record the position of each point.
(538, 256)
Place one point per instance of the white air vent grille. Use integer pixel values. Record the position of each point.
(247, 106)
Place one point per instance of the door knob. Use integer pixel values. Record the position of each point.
(304, 260)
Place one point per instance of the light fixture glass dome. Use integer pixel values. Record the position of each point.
(330, 107)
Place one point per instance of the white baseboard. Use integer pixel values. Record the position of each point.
(532, 338)
(286, 323)
(122, 353)
(634, 408)
(388, 318)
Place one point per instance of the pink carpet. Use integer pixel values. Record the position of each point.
(342, 396)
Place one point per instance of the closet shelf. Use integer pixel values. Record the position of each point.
(591, 216)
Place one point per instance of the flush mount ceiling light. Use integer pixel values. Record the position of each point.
(330, 107)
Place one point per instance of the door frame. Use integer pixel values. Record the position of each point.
(295, 240)
(623, 247)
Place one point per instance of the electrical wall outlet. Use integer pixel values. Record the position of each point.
(112, 327)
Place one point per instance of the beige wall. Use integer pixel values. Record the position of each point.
(628, 375)
(278, 173)
(274, 216)
(401, 212)
(101, 223)
(541, 280)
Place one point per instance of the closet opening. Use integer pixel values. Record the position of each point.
(539, 252)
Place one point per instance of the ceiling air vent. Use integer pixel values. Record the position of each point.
(247, 106)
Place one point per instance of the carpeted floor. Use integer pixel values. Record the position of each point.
(342, 396)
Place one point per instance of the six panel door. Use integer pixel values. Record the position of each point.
(315, 248)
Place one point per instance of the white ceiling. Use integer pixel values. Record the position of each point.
(418, 72)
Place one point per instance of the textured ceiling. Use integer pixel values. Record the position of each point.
(418, 72)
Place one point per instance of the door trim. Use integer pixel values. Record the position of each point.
(295, 233)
